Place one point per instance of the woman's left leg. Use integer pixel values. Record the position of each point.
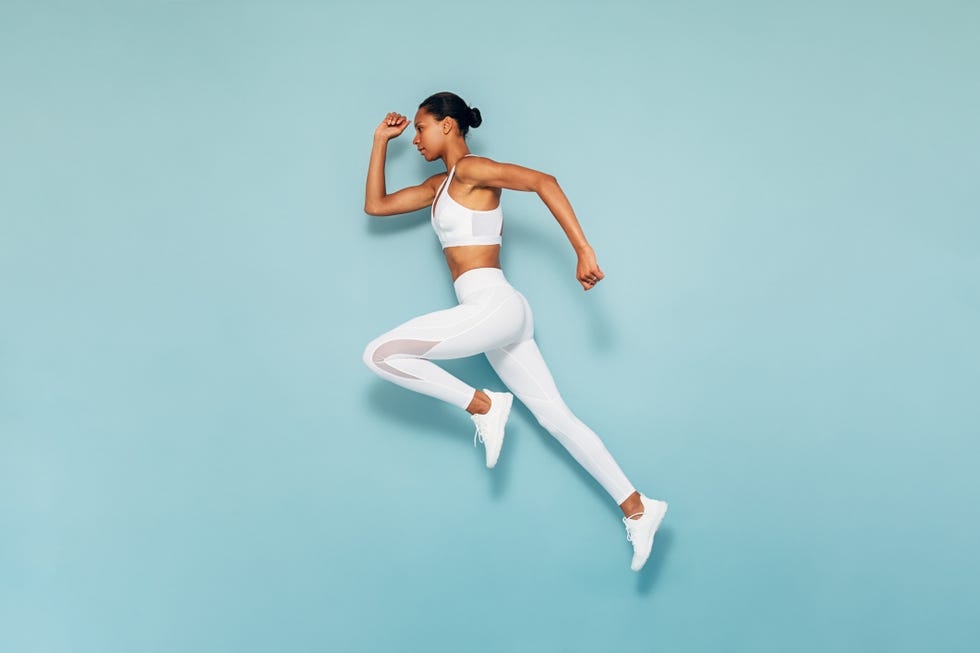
(522, 368)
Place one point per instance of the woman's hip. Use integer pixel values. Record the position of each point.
(488, 316)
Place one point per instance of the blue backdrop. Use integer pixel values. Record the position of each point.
(782, 195)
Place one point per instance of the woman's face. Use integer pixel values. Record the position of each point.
(429, 138)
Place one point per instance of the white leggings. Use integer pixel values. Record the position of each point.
(492, 318)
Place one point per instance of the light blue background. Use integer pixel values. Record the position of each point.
(783, 196)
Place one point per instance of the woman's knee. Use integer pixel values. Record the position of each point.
(369, 356)
(550, 414)
(390, 344)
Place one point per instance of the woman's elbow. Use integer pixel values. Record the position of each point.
(546, 181)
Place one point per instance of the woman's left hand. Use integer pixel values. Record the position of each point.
(588, 272)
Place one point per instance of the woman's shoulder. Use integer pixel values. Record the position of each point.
(473, 159)
(435, 180)
(472, 165)
(485, 172)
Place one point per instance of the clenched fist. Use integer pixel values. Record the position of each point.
(588, 272)
(392, 126)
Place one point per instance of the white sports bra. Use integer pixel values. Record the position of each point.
(455, 224)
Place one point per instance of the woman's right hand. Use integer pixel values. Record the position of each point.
(392, 126)
(588, 272)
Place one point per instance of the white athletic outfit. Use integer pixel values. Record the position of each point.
(494, 319)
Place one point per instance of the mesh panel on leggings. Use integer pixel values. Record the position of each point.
(405, 348)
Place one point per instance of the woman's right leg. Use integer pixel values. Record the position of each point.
(487, 319)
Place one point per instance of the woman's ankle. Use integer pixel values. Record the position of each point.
(633, 506)
(480, 404)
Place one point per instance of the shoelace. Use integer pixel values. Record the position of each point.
(478, 433)
(626, 522)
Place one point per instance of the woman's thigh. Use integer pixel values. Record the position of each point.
(490, 320)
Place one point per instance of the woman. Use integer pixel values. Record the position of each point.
(492, 317)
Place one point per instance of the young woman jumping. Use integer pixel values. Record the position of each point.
(492, 317)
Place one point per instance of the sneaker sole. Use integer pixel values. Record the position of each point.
(508, 402)
(653, 533)
(660, 518)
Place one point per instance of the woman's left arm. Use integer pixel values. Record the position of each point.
(481, 171)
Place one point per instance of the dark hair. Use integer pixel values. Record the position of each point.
(445, 104)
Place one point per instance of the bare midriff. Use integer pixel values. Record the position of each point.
(463, 258)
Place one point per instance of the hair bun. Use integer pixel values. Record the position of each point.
(475, 118)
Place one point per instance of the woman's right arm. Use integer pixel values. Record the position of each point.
(406, 200)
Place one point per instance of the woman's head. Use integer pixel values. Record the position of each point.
(441, 117)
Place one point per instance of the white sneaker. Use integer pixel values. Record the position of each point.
(641, 531)
(490, 427)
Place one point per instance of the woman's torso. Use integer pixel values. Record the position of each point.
(458, 202)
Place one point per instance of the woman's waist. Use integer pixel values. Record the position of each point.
(478, 279)
(463, 258)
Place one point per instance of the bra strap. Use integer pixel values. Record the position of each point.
(453, 171)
